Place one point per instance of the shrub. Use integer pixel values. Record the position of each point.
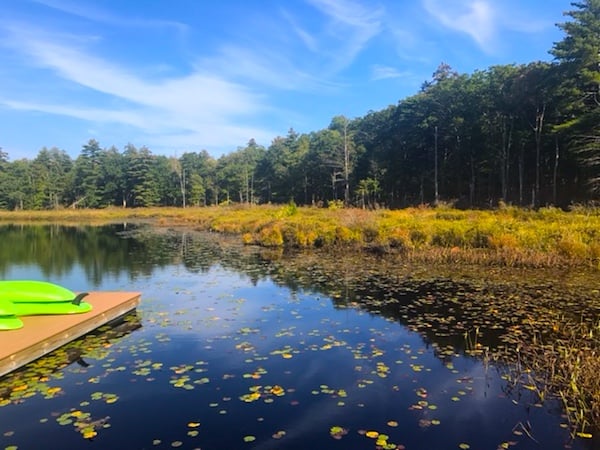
(447, 237)
(271, 236)
(335, 205)
(370, 234)
(399, 238)
(477, 238)
(287, 211)
(571, 247)
(503, 241)
(417, 237)
(345, 235)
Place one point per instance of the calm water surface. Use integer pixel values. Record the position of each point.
(230, 350)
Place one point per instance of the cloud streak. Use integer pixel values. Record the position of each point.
(379, 72)
(352, 25)
(486, 21)
(198, 105)
(475, 18)
(89, 12)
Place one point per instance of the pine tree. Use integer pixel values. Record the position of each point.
(579, 57)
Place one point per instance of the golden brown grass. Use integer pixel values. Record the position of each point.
(510, 236)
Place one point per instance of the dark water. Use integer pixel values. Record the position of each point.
(236, 349)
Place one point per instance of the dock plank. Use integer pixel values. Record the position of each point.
(42, 334)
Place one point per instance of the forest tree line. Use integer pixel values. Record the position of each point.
(524, 134)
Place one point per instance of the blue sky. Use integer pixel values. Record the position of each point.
(187, 75)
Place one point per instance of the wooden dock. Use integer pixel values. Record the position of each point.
(42, 334)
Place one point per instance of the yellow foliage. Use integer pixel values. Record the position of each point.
(571, 247)
(345, 235)
(509, 233)
(271, 236)
(503, 240)
(400, 239)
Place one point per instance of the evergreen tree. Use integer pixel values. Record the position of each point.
(87, 178)
(579, 57)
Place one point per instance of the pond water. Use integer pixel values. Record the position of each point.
(234, 348)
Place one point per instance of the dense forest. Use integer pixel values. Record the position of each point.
(520, 134)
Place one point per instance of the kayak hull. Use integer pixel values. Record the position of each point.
(10, 323)
(28, 291)
(33, 309)
(30, 298)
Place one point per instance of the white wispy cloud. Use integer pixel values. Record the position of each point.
(310, 41)
(199, 107)
(486, 21)
(380, 72)
(266, 66)
(477, 18)
(352, 25)
(92, 114)
(86, 10)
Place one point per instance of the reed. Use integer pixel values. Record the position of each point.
(566, 366)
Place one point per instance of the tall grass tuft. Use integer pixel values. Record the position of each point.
(567, 367)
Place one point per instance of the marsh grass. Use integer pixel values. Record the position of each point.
(566, 366)
(507, 236)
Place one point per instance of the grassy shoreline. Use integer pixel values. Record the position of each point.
(509, 236)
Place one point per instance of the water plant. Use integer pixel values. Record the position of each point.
(566, 365)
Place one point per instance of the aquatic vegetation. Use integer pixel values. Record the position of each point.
(565, 364)
(506, 236)
(83, 422)
(338, 432)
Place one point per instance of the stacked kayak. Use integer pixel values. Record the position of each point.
(8, 318)
(29, 297)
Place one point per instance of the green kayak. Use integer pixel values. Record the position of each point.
(31, 291)
(10, 323)
(30, 297)
(8, 319)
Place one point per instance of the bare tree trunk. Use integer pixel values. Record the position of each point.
(538, 129)
(246, 188)
(346, 166)
(435, 167)
(76, 202)
(521, 171)
(472, 182)
(555, 172)
(505, 157)
(305, 189)
(183, 186)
